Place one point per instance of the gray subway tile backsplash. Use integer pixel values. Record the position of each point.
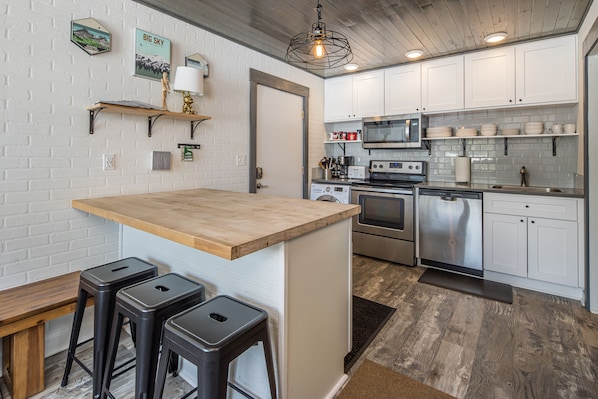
(489, 163)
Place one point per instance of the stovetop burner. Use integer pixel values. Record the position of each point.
(402, 174)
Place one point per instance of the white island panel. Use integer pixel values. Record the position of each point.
(305, 286)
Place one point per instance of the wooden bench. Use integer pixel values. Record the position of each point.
(24, 310)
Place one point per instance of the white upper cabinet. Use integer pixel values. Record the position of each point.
(546, 71)
(338, 99)
(490, 78)
(442, 84)
(354, 97)
(402, 90)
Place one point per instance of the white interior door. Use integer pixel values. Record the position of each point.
(279, 143)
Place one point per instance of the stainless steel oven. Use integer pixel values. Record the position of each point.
(385, 227)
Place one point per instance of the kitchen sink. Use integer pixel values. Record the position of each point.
(529, 189)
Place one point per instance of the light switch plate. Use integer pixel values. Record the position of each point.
(160, 160)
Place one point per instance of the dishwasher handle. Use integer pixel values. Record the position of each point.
(450, 195)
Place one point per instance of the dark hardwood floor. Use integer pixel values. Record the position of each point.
(542, 346)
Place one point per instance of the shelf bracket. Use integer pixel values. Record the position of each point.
(150, 123)
(92, 117)
(464, 146)
(506, 146)
(428, 146)
(194, 125)
(554, 146)
(342, 147)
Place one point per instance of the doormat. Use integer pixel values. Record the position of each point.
(368, 319)
(373, 381)
(468, 285)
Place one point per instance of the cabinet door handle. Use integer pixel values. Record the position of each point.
(527, 206)
(533, 221)
(521, 220)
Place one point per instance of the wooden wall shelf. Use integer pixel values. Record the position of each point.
(152, 115)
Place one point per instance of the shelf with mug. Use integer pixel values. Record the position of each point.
(342, 143)
(427, 140)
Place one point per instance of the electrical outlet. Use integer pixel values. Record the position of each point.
(108, 161)
(241, 160)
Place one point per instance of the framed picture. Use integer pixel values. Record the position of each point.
(197, 61)
(152, 55)
(90, 36)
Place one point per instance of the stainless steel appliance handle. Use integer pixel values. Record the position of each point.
(382, 190)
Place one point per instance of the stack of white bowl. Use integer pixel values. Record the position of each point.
(534, 128)
(488, 129)
(466, 132)
(439, 131)
(510, 131)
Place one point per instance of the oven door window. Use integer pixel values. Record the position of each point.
(380, 211)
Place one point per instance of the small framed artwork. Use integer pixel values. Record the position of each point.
(90, 36)
(197, 61)
(152, 55)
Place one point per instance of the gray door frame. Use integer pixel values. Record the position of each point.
(260, 78)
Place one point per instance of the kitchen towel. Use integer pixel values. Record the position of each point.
(462, 169)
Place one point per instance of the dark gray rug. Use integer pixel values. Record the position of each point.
(368, 319)
(468, 285)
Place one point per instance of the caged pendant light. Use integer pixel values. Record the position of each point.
(319, 48)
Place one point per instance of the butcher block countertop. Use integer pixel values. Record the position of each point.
(223, 223)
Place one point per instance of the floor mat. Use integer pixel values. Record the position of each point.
(368, 319)
(468, 285)
(372, 381)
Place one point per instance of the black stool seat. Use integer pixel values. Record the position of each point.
(102, 282)
(211, 335)
(148, 305)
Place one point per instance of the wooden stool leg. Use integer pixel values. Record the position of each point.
(26, 363)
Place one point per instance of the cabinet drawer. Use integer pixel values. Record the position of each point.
(531, 205)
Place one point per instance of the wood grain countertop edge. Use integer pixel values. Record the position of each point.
(212, 246)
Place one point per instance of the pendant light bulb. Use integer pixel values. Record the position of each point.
(319, 49)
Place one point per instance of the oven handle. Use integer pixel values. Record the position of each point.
(382, 190)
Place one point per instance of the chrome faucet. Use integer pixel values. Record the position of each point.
(523, 173)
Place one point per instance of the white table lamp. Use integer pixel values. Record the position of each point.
(189, 81)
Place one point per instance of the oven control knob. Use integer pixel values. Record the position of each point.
(416, 166)
(410, 166)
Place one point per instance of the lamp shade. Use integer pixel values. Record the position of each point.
(189, 79)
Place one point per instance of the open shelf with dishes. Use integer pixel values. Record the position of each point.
(152, 115)
(427, 140)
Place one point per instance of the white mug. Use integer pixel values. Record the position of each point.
(569, 128)
(556, 129)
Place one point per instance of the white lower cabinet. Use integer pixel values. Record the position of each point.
(534, 237)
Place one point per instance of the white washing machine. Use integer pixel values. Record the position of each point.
(340, 193)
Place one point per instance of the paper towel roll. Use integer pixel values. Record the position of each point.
(462, 169)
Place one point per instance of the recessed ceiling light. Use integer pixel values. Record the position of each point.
(495, 37)
(414, 53)
(351, 67)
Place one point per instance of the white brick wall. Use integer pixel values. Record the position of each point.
(47, 157)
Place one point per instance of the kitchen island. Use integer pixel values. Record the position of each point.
(291, 257)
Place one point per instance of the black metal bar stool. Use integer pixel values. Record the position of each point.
(211, 335)
(148, 305)
(102, 282)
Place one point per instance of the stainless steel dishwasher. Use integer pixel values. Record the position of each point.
(450, 230)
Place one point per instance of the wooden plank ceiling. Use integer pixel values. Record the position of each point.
(380, 32)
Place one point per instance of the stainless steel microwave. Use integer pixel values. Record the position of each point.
(398, 131)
